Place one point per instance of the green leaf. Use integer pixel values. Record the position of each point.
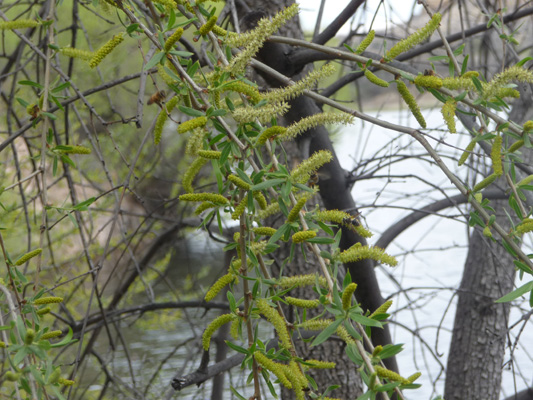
(84, 205)
(191, 111)
(22, 102)
(156, 59)
(31, 83)
(353, 354)
(390, 350)
(321, 240)
(516, 293)
(49, 115)
(237, 348)
(268, 183)
(179, 53)
(171, 19)
(365, 321)
(61, 87)
(326, 333)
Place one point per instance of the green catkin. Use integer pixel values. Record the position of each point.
(168, 4)
(220, 284)
(511, 74)
(316, 364)
(359, 252)
(274, 367)
(524, 227)
(212, 197)
(374, 79)
(76, 53)
(75, 150)
(191, 173)
(204, 206)
(390, 375)
(302, 172)
(264, 231)
(12, 376)
(28, 256)
(487, 232)
(18, 24)
(298, 281)
(48, 300)
(50, 335)
(485, 182)
(29, 337)
(206, 28)
(213, 327)
(104, 51)
(269, 133)
(478, 197)
(347, 295)
(344, 335)
(515, 146)
(165, 76)
(496, 156)
(458, 83)
(382, 309)
(263, 114)
(467, 152)
(344, 219)
(241, 207)
(301, 303)
(302, 236)
(172, 39)
(366, 42)
(314, 120)
(192, 124)
(277, 322)
(377, 350)
(448, 113)
(414, 39)
(428, 81)
(316, 324)
(219, 31)
(210, 154)
(65, 382)
(470, 74)
(234, 328)
(162, 118)
(411, 102)
(2, 345)
(295, 211)
(195, 141)
(526, 181)
(240, 183)
(261, 200)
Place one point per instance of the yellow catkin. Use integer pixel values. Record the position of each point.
(295, 211)
(414, 377)
(206, 28)
(48, 300)
(192, 124)
(172, 39)
(526, 181)
(213, 327)
(51, 334)
(528, 126)
(12, 376)
(377, 350)
(204, 206)
(320, 364)
(359, 252)
(414, 39)
(220, 284)
(2, 345)
(44, 311)
(277, 321)
(390, 375)
(374, 79)
(302, 172)
(524, 227)
(240, 183)
(485, 182)
(274, 367)
(302, 236)
(487, 232)
(75, 150)
(298, 281)
(347, 295)
(18, 24)
(191, 173)
(366, 42)
(241, 207)
(244, 88)
(411, 102)
(301, 303)
(448, 113)
(467, 152)
(261, 200)
(198, 197)
(428, 81)
(29, 337)
(496, 156)
(77, 53)
(65, 382)
(269, 133)
(209, 154)
(382, 309)
(28, 256)
(264, 231)
(104, 51)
